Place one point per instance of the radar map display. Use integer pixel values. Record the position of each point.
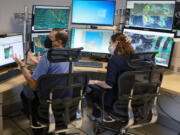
(152, 15)
(147, 41)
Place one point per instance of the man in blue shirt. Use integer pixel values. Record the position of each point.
(58, 39)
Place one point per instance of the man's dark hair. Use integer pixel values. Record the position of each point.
(60, 35)
(63, 37)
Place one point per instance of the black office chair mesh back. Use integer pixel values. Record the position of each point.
(144, 85)
(65, 97)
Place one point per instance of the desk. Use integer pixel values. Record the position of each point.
(171, 83)
(10, 84)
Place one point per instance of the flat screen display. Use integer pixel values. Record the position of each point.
(8, 46)
(38, 39)
(49, 17)
(151, 14)
(38, 42)
(151, 41)
(92, 40)
(177, 16)
(93, 12)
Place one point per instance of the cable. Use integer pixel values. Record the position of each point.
(167, 113)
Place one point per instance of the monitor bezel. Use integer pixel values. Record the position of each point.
(45, 30)
(87, 52)
(14, 62)
(171, 53)
(177, 28)
(150, 28)
(94, 24)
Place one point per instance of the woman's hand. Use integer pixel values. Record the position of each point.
(91, 82)
(100, 83)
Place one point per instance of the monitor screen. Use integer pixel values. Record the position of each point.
(151, 14)
(93, 12)
(92, 40)
(38, 42)
(49, 17)
(9, 45)
(38, 39)
(151, 41)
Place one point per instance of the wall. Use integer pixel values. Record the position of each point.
(9, 7)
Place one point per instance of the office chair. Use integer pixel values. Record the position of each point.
(137, 92)
(57, 114)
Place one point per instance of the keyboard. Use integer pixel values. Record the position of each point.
(10, 74)
(88, 64)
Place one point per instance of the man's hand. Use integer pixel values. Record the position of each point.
(17, 60)
(34, 59)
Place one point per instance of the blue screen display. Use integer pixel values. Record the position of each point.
(93, 12)
(92, 40)
(151, 14)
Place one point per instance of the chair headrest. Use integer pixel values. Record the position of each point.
(142, 60)
(64, 54)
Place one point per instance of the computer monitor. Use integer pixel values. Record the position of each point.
(93, 12)
(177, 16)
(92, 40)
(9, 45)
(152, 41)
(37, 42)
(151, 14)
(48, 17)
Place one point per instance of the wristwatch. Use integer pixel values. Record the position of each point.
(21, 67)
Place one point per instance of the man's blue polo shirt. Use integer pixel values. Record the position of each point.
(45, 67)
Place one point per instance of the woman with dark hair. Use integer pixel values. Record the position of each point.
(120, 48)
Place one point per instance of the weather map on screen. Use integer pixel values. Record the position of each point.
(49, 17)
(150, 41)
(38, 42)
(92, 40)
(10, 45)
(151, 14)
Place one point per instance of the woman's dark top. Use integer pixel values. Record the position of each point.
(116, 66)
